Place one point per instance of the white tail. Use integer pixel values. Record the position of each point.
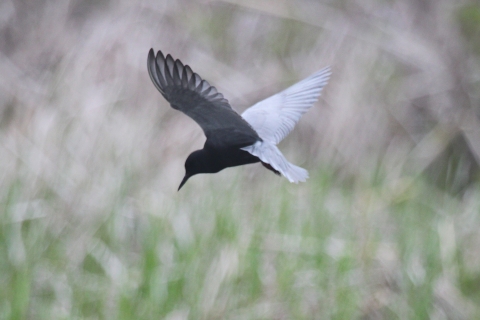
(269, 153)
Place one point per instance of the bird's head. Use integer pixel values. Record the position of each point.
(194, 164)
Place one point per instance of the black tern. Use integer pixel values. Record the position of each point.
(234, 139)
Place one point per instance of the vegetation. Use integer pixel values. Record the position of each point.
(387, 226)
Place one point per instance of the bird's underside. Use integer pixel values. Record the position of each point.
(232, 157)
(234, 140)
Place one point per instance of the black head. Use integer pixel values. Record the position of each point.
(197, 162)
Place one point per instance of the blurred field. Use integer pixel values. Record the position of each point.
(91, 155)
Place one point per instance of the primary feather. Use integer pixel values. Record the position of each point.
(275, 117)
(188, 92)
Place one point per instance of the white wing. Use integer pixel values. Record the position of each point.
(275, 117)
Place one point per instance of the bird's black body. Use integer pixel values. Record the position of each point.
(226, 131)
(208, 160)
(216, 156)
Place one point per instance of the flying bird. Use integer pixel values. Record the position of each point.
(234, 139)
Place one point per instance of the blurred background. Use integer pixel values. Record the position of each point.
(91, 155)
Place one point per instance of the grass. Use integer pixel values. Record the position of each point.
(322, 250)
(91, 225)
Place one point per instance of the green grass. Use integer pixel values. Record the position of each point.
(325, 249)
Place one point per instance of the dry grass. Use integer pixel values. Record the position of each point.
(386, 228)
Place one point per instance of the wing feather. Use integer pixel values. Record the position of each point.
(275, 117)
(176, 75)
(188, 92)
(185, 78)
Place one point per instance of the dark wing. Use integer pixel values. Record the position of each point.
(187, 92)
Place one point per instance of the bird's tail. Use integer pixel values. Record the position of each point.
(269, 153)
(296, 174)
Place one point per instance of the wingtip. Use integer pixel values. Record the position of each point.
(155, 67)
(169, 57)
(326, 72)
(152, 52)
(151, 56)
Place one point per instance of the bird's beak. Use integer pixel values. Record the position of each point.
(184, 180)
